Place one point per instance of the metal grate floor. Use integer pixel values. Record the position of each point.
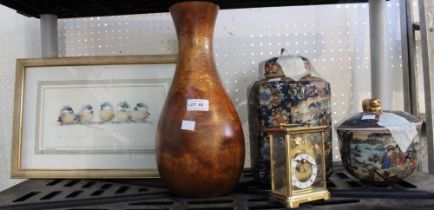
(347, 192)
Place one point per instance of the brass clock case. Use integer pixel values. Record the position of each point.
(300, 152)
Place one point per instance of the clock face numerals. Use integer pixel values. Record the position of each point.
(304, 170)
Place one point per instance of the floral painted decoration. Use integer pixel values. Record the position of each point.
(278, 99)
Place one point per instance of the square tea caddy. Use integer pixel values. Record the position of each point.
(297, 158)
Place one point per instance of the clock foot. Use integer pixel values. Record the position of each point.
(295, 200)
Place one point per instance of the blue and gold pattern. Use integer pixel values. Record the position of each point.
(370, 152)
(376, 157)
(278, 99)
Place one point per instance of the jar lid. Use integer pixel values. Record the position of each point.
(401, 125)
(373, 116)
(294, 67)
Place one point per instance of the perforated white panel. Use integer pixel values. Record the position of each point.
(334, 37)
(19, 37)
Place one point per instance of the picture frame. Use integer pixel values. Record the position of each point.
(88, 117)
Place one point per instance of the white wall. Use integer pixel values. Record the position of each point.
(19, 38)
(334, 37)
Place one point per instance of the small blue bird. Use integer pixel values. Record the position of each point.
(86, 114)
(123, 113)
(66, 115)
(140, 113)
(106, 113)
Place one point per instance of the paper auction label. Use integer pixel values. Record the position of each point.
(197, 105)
(188, 125)
(275, 79)
(368, 117)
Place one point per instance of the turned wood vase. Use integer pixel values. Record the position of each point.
(200, 142)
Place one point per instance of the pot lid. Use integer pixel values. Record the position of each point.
(374, 117)
(294, 67)
(401, 125)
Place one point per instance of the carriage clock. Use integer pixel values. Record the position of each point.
(297, 156)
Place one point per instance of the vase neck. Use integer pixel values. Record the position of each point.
(194, 23)
(195, 44)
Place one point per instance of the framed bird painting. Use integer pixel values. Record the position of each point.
(88, 117)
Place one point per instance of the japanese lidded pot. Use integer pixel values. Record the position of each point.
(286, 93)
(379, 146)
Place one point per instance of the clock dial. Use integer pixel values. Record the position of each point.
(304, 167)
(305, 170)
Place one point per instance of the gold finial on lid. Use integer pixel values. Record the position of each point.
(372, 105)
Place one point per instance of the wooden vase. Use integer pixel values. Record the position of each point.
(200, 146)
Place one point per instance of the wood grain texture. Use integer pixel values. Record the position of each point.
(207, 161)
